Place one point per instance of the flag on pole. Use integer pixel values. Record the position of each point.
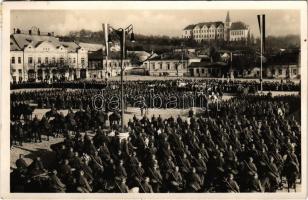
(106, 32)
(261, 22)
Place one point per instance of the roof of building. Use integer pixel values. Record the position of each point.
(140, 53)
(189, 27)
(207, 64)
(238, 26)
(96, 55)
(13, 45)
(173, 56)
(201, 24)
(23, 40)
(90, 46)
(209, 24)
(71, 46)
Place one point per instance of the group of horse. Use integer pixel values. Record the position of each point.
(54, 122)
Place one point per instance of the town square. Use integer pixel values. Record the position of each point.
(163, 101)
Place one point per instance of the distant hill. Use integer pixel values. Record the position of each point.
(161, 44)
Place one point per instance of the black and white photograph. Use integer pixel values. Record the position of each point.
(157, 100)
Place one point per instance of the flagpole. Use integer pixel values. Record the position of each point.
(261, 57)
(105, 28)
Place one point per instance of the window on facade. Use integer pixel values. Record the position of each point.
(39, 60)
(294, 71)
(202, 71)
(61, 60)
(197, 71)
(74, 60)
(19, 60)
(280, 71)
(46, 60)
(53, 59)
(161, 65)
(82, 61)
(30, 61)
(153, 65)
(168, 66)
(13, 60)
(20, 72)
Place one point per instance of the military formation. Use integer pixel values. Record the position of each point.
(227, 85)
(250, 143)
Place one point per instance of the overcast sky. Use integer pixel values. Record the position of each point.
(151, 22)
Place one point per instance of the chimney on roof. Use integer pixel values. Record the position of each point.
(30, 32)
(48, 34)
(14, 30)
(38, 32)
(18, 31)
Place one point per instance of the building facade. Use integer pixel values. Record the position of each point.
(169, 65)
(207, 69)
(37, 56)
(225, 31)
(238, 32)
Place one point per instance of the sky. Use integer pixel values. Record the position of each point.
(151, 22)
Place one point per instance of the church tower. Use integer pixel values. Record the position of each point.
(227, 27)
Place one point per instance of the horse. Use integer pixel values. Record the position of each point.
(59, 124)
(115, 118)
(27, 112)
(101, 118)
(46, 127)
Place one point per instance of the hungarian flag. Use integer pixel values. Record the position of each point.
(261, 21)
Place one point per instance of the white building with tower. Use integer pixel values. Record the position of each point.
(218, 30)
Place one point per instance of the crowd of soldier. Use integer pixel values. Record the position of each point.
(246, 145)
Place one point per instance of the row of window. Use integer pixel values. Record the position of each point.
(46, 61)
(19, 71)
(208, 31)
(208, 36)
(210, 70)
(18, 60)
(168, 66)
(237, 39)
(237, 32)
(293, 71)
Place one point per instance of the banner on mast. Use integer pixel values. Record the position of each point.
(261, 22)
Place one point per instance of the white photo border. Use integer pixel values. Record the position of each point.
(7, 7)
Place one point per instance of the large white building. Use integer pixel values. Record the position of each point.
(37, 56)
(226, 31)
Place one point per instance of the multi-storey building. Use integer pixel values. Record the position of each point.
(37, 56)
(238, 32)
(227, 31)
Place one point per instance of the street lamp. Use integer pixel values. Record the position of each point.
(121, 32)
